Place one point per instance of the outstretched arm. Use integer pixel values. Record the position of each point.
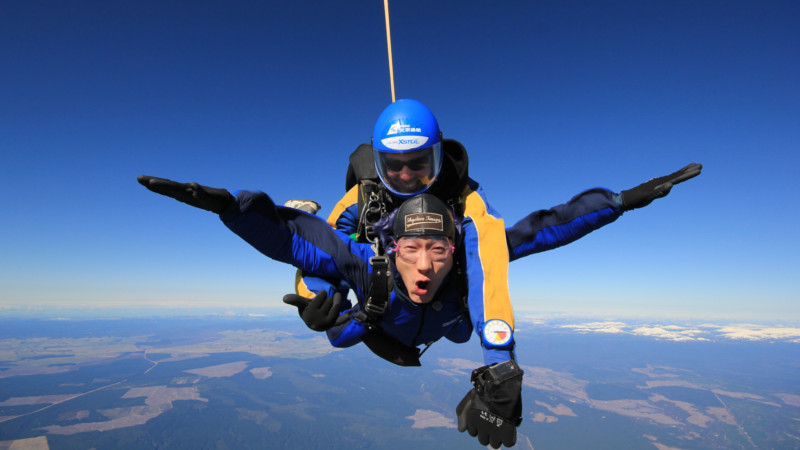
(283, 234)
(592, 209)
(547, 229)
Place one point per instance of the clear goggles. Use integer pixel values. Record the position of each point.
(410, 249)
(409, 173)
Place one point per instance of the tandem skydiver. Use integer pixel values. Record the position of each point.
(422, 304)
(408, 156)
(373, 319)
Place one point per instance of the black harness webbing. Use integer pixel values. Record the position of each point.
(372, 206)
(380, 287)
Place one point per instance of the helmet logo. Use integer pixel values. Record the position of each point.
(399, 127)
(424, 221)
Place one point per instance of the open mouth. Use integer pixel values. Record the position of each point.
(422, 286)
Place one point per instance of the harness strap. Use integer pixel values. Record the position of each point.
(380, 287)
(456, 204)
(371, 208)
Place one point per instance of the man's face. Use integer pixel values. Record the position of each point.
(423, 264)
(409, 172)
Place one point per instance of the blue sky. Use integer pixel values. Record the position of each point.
(550, 98)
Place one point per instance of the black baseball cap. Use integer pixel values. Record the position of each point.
(423, 215)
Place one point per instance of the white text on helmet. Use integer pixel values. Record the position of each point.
(404, 143)
(401, 128)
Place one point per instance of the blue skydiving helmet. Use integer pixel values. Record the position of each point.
(408, 147)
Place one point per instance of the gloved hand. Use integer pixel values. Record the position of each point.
(199, 196)
(659, 187)
(319, 313)
(492, 411)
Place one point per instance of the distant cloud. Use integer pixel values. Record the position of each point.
(598, 327)
(760, 332)
(674, 332)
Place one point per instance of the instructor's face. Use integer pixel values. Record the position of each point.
(409, 172)
(423, 264)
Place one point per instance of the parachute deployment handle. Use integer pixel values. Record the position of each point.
(389, 46)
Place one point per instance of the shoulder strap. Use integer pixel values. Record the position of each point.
(380, 287)
(453, 178)
(362, 166)
(374, 200)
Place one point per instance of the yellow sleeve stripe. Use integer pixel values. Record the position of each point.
(300, 285)
(348, 200)
(493, 253)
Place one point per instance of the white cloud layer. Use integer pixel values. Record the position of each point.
(704, 332)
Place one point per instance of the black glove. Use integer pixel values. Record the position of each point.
(493, 409)
(199, 196)
(659, 187)
(319, 313)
